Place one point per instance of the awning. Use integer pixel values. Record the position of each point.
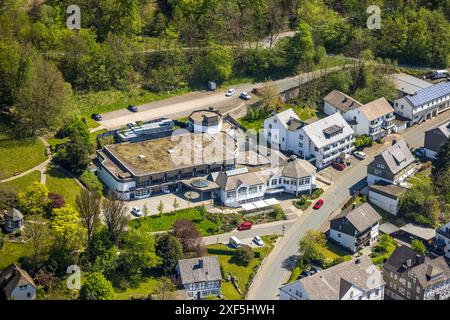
(260, 204)
(272, 201)
(274, 191)
(248, 206)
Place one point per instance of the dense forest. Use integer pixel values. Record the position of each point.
(163, 46)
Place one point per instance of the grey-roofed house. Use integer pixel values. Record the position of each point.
(425, 103)
(435, 138)
(407, 84)
(200, 277)
(395, 165)
(14, 220)
(357, 279)
(337, 101)
(412, 276)
(356, 228)
(417, 232)
(16, 284)
(386, 196)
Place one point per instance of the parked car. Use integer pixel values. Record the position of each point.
(97, 117)
(359, 155)
(258, 241)
(338, 166)
(245, 96)
(132, 108)
(420, 152)
(318, 204)
(230, 92)
(234, 242)
(316, 269)
(137, 212)
(245, 226)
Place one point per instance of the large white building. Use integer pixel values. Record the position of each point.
(357, 279)
(320, 142)
(375, 119)
(425, 103)
(237, 187)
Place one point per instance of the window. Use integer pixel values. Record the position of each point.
(380, 165)
(300, 145)
(339, 235)
(300, 137)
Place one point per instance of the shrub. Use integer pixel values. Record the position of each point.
(317, 193)
(56, 201)
(278, 212)
(363, 141)
(91, 181)
(244, 254)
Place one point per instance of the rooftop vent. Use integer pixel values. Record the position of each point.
(211, 108)
(142, 157)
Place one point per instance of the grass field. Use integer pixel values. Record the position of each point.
(141, 290)
(18, 155)
(21, 183)
(12, 252)
(244, 274)
(165, 222)
(333, 251)
(59, 182)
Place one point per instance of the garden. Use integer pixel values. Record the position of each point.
(243, 272)
(305, 200)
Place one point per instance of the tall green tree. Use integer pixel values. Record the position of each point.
(169, 249)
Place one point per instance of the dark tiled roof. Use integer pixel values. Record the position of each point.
(398, 157)
(297, 168)
(361, 217)
(392, 191)
(13, 214)
(199, 269)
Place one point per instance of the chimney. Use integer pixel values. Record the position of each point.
(200, 263)
(409, 263)
(211, 108)
(354, 205)
(420, 259)
(394, 142)
(357, 261)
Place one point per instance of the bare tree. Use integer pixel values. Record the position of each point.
(88, 205)
(116, 219)
(38, 232)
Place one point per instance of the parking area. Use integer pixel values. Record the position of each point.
(152, 203)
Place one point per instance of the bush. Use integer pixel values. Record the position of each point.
(91, 181)
(363, 141)
(278, 212)
(317, 193)
(244, 254)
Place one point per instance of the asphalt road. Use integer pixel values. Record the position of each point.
(276, 270)
(184, 104)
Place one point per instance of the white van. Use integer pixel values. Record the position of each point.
(235, 242)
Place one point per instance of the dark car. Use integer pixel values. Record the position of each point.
(245, 226)
(97, 117)
(132, 108)
(318, 204)
(338, 166)
(420, 152)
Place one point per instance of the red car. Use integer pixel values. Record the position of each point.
(338, 166)
(245, 226)
(318, 204)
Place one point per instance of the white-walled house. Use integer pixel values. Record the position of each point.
(357, 279)
(375, 119)
(16, 284)
(356, 228)
(442, 240)
(425, 103)
(199, 277)
(386, 196)
(395, 165)
(320, 142)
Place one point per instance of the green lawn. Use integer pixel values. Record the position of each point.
(141, 290)
(59, 182)
(21, 183)
(333, 251)
(17, 155)
(11, 252)
(164, 223)
(110, 100)
(244, 274)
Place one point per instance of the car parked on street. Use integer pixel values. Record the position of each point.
(97, 117)
(245, 96)
(258, 241)
(359, 155)
(137, 212)
(318, 204)
(245, 226)
(338, 166)
(230, 92)
(132, 108)
(419, 152)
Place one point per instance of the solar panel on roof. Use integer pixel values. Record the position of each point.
(431, 93)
